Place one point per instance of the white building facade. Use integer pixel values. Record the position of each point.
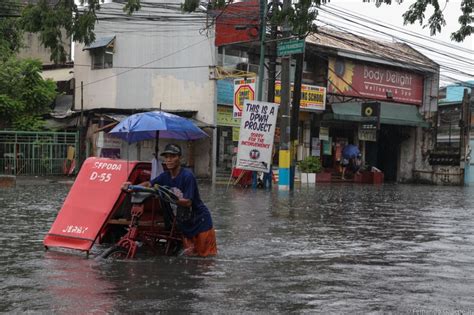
(157, 58)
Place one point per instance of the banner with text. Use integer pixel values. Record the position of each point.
(257, 130)
(313, 97)
(351, 78)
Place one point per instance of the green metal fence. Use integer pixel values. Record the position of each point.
(37, 153)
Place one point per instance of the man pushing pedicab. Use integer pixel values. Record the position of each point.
(193, 217)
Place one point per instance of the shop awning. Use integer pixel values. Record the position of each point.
(100, 42)
(390, 114)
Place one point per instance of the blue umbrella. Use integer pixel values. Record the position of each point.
(350, 151)
(157, 124)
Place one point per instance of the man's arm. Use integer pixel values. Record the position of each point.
(184, 202)
(126, 184)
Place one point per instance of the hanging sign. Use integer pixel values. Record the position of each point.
(324, 133)
(257, 130)
(367, 134)
(244, 89)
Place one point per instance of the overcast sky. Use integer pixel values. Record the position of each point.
(455, 57)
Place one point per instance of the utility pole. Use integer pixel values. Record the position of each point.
(261, 66)
(464, 134)
(295, 113)
(285, 153)
(81, 128)
(272, 57)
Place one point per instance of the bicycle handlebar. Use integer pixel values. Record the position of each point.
(163, 192)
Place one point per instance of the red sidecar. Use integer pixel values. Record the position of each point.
(97, 210)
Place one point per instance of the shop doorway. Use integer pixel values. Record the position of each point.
(385, 153)
(225, 148)
(390, 139)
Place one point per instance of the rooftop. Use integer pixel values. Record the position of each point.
(362, 48)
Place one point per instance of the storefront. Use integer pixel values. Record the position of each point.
(227, 137)
(382, 148)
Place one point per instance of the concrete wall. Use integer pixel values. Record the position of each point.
(34, 49)
(414, 165)
(155, 63)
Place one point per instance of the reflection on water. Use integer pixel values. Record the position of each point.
(333, 248)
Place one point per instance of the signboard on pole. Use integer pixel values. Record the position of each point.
(244, 89)
(257, 130)
(290, 47)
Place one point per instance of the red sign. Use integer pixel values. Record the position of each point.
(373, 82)
(89, 203)
(238, 22)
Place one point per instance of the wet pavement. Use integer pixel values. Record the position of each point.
(335, 248)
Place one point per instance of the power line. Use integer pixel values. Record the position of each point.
(392, 27)
(459, 58)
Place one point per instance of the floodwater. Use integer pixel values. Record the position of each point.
(335, 248)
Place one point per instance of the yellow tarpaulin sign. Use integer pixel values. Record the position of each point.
(312, 97)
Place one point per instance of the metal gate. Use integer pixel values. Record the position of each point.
(38, 153)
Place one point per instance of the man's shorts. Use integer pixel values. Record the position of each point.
(203, 245)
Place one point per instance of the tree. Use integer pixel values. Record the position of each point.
(24, 95)
(49, 18)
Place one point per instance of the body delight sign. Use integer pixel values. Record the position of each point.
(257, 130)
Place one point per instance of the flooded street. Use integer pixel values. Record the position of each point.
(336, 248)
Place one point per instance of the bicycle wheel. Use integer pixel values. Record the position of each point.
(115, 253)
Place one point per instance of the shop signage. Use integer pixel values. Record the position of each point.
(237, 22)
(257, 130)
(327, 148)
(367, 135)
(286, 48)
(370, 113)
(244, 89)
(313, 97)
(225, 92)
(225, 117)
(235, 133)
(324, 133)
(315, 147)
(350, 78)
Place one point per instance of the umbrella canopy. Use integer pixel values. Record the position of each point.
(350, 151)
(156, 124)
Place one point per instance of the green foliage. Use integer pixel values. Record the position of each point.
(311, 164)
(24, 95)
(416, 13)
(10, 37)
(300, 17)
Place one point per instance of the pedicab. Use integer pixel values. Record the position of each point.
(96, 209)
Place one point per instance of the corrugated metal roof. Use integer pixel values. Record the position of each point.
(397, 54)
(100, 42)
